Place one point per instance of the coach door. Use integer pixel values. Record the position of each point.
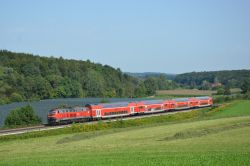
(98, 113)
(132, 110)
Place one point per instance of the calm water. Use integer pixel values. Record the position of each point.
(42, 107)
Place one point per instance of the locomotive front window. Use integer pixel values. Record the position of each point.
(52, 112)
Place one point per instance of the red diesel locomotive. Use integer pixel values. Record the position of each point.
(120, 109)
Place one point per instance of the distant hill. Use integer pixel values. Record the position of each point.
(151, 74)
(231, 78)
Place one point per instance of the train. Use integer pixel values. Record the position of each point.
(99, 111)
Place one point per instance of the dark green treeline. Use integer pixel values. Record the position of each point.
(28, 77)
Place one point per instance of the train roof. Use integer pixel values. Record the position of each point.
(152, 101)
(203, 98)
(80, 108)
(180, 99)
(111, 105)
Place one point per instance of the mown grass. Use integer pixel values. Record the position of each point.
(138, 146)
(205, 131)
(218, 136)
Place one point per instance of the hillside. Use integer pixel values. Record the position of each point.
(27, 77)
(206, 79)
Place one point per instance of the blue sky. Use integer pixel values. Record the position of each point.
(133, 35)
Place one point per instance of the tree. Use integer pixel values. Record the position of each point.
(94, 84)
(227, 90)
(150, 86)
(220, 91)
(205, 85)
(140, 90)
(246, 86)
(22, 116)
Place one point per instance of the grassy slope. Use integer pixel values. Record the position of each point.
(240, 108)
(223, 141)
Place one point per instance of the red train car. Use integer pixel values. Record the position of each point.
(181, 103)
(65, 115)
(111, 110)
(205, 101)
(194, 102)
(120, 109)
(151, 106)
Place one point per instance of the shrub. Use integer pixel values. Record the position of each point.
(15, 97)
(22, 117)
(247, 95)
(227, 90)
(220, 91)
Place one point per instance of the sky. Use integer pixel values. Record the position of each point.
(170, 36)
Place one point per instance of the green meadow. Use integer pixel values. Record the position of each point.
(219, 137)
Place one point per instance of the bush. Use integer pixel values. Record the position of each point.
(227, 90)
(15, 97)
(247, 95)
(227, 98)
(22, 117)
(220, 91)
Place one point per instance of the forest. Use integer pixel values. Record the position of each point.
(213, 79)
(25, 77)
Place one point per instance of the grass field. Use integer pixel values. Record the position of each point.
(220, 141)
(239, 108)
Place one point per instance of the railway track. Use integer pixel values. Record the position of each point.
(44, 127)
(27, 129)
